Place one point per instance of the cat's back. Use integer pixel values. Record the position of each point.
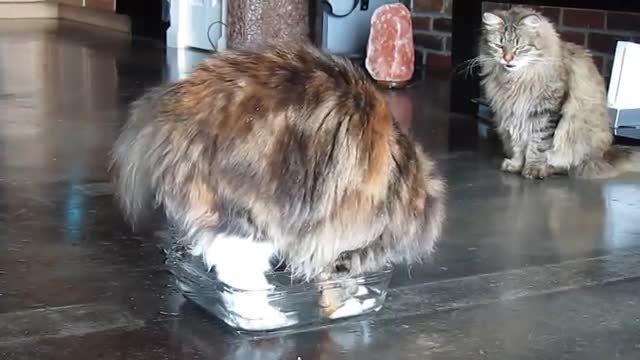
(578, 60)
(268, 105)
(583, 77)
(258, 85)
(573, 51)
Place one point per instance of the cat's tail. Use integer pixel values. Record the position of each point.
(129, 165)
(623, 158)
(616, 161)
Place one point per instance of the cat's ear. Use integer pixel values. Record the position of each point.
(491, 20)
(532, 21)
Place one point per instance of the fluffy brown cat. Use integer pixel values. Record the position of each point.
(280, 152)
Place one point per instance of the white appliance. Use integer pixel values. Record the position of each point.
(624, 102)
(344, 25)
(197, 24)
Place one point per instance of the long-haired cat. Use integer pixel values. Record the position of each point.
(280, 152)
(548, 98)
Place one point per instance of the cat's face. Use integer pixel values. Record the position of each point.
(512, 39)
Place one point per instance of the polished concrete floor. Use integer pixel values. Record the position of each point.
(526, 270)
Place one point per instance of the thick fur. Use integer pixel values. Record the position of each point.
(550, 107)
(287, 146)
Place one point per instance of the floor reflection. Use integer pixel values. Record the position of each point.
(621, 216)
(326, 343)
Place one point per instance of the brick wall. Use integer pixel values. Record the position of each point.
(432, 33)
(597, 30)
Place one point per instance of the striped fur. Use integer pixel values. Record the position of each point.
(286, 146)
(549, 100)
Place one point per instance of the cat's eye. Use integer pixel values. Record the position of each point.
(522, 49)
(495, 45)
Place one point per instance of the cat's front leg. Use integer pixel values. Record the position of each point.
(515, 163)
(517, 152)
(536, 165)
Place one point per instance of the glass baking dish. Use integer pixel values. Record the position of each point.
(299, 302)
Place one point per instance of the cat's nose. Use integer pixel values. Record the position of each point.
(508, 57)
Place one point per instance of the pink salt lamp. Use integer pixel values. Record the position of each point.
(390, 53)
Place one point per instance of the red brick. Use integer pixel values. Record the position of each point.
(429, 41)
(428, 5)
(491, 6)
(442, 24)
(438, 61)
(605, 43)
(423, 23)
(575, 37)
(599, 61)
(623, 21)
(593, 19)
(551, 13)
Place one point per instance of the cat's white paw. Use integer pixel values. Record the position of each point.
(351, 307)
(253, 312)
(511, 165)
(368, 304)
(271, 320)
(361, 291)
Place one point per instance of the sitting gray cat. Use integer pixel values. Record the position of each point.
(549, 100)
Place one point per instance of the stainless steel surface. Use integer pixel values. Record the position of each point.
(526, 269)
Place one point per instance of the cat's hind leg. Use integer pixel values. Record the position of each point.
(349, 298)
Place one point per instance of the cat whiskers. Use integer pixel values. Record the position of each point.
(469, 65)
(544, 60)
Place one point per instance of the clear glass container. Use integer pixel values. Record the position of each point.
(298, 303)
